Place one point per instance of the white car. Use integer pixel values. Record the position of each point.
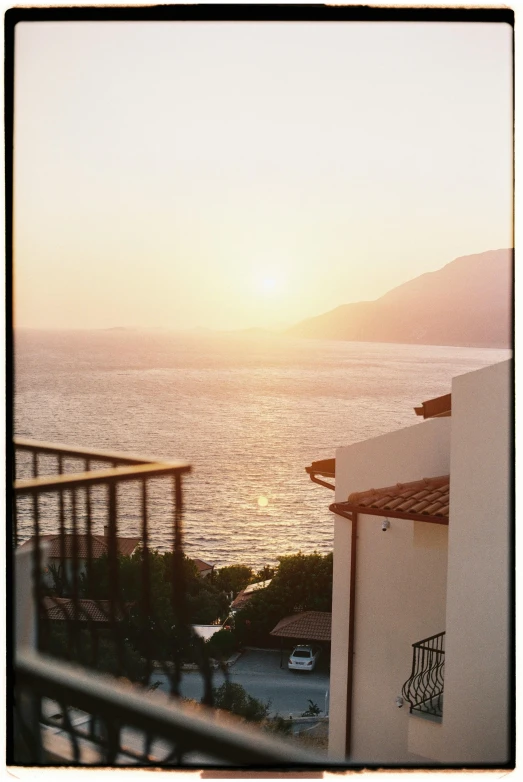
(304, 658)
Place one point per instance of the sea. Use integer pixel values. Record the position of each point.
(249, 410)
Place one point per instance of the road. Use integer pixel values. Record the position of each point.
(260, 673)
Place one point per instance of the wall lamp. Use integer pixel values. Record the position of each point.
(385, 524)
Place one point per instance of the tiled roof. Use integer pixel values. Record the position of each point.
(245, 595)
(438, 407)
(62, 609)
(428, 497)
(202, 566)
(241, 599)
(99, 545)
(325, 467)
(258, 585)
(310, 625)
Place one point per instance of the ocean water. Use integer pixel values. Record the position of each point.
(249, 411)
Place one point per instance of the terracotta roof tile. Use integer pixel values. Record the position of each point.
(310, 625)
(427, 497)
(99, 545)
(62, 609)
(241, 599)
(202, 566)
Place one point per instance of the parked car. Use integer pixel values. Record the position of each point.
(304, 658)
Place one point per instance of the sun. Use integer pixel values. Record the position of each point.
(269, 284)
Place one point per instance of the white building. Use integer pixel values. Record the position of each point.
(441, 565)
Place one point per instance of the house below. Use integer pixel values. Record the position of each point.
(204, 568)
(305, 626)
(81, 547)
(243, 597)
(98, 612)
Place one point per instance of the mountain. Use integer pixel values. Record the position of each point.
(466, 303)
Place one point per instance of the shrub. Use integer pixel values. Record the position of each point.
(312, 711)
(234, 698)
(221, 645)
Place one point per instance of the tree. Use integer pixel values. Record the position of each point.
(234, 698)
(312, 711)
(59, 586)
(264, 574)
(205, 602)
(232, 578)
(301, 583)
(98, 651)
(222, 644)
(159, 629)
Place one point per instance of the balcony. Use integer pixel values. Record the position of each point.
(424, 689)
(74, 707)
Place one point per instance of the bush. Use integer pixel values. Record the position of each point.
(301, 583)
(232, 578)
(221, 645)
(103, 656)
(312, 711)
(234, 698)
(278, 724)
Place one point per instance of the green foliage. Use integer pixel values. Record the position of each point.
(234, 698)
(312, 711)
(204, 602)
(301, 583)
(99, 652)
(232, 578)
(160, 630)
(278, 724)
(58, 588)
(264, 574)
(222, 644)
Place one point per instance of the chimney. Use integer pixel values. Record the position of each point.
(106, 530)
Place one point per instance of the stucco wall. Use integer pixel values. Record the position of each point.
(476, 703)
(400, 591)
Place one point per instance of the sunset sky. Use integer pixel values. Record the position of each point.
(231, 175)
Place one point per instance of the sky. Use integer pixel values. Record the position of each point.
(237, 175)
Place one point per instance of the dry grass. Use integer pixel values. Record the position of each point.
(316, 739)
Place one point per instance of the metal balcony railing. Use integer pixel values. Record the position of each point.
(424, 689)
(64, 708)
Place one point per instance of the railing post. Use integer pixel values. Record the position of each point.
(27, 705)
(25, 609)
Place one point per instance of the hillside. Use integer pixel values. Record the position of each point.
(468, 302)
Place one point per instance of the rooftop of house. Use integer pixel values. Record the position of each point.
(202, 566)
(99, 545)
(439, 407)
(426, 500)
(245, 595)
(310, 625)
(63, 609)
(258, 585)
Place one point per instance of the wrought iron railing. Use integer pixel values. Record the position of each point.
(424, 689)
(66, 710)
(130, 728)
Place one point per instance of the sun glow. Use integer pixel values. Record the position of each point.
(263, 501)
(269, 284)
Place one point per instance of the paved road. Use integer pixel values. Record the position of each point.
(260, 673)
